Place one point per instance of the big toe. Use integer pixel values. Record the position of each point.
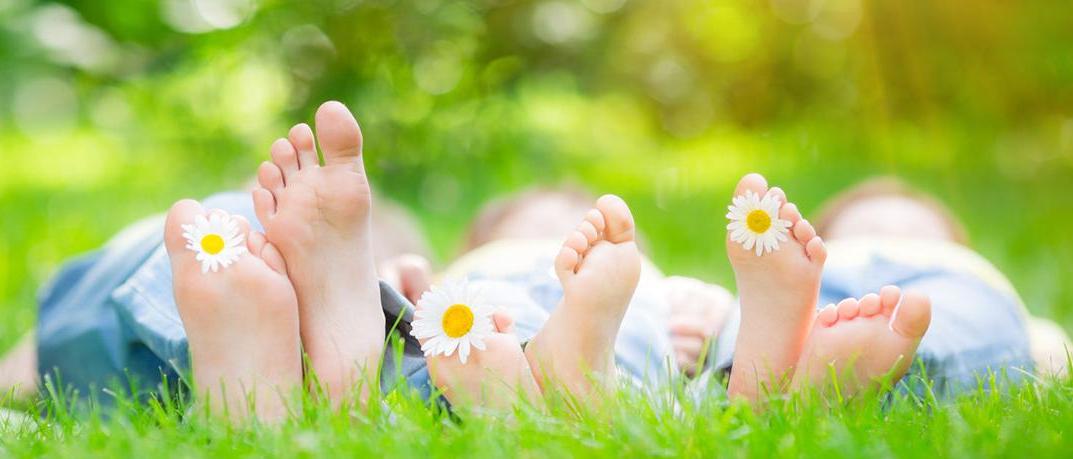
(338, 134)
(182, 213)
(913, 316)
(618, 221)
(751, 182)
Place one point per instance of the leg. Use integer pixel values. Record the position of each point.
(319, 218)
(18, 369)
(864, 341)
(778, 295)
(599, 267)
(241, 321)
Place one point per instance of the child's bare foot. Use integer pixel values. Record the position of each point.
(241, 322)
(778, 293)
(599, 267)
(318, 216)
(493, 377)
(864, 341)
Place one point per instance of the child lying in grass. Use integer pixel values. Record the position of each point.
(238, 307)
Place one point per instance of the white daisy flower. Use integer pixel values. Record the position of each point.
(452, 316)
(755, 222)
(216, 240)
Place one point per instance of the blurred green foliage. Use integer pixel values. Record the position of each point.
(110, 111)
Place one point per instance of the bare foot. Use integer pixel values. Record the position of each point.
(491, 378)
(318, 216)
(599, 267)
(241, 321)
(864, 342)
(778, 293)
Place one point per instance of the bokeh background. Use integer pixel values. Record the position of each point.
(111, 110)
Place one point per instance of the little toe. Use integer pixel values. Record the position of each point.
(339, 135)
(503, 321)
(566, 262)
(888, 298)
(285, 157)
(913, 316)
(617, 217)
(270, 177)
(869, 305)
(828, 315)
(301, 138)
(803, 231)
(848, 309)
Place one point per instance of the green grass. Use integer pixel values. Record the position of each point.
(1017, 421)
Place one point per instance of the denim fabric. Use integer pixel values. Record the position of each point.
(976, 329)
(110, 317)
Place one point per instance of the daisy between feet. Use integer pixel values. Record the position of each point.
(599, 267)
(783, 342)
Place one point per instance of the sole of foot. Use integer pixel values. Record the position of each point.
(778, 293)
(495, 378)
(319, 217)
(599, 267)
(860, 345)
(241, 322)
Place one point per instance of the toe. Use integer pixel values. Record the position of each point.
(503, 321)
(339, 135)
(790, 213)
(566, 262)
(589, 231)
(778, 193)
(270, 177)
(270, 254)
(888, 299)
(913, 316)
(848, 309)
(182, 213)
(617, 218)
(255, 242)
(595, 218)
(751, 182)
(577, 241)
(870, 305)
(828, 315)
(264, 205)
(816, 250)
(301, 139)
(285, 157)
(803, 231)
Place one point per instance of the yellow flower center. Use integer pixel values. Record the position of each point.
(457, 320)
(758, 221)
(212, 244)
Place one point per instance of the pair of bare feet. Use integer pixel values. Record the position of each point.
(784, 343)
(307, 284)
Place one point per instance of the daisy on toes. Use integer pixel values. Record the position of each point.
(778, 261)
(490, 369)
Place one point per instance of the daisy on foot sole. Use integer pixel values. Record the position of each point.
(241, 322)
(319, 217)
(860, 344)
(599, 267)
(777, 291)
(455, 316)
